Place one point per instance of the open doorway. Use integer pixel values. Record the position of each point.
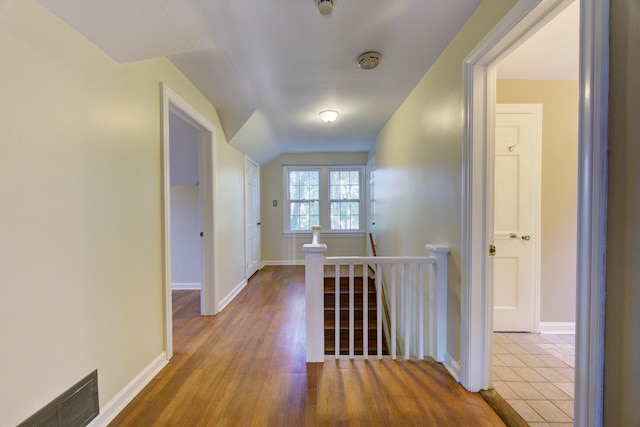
(524, 19)
(188, 214)
(535, 222)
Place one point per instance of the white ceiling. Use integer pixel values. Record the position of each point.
(552, 53)
(270, 67)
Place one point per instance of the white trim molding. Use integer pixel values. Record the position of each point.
(283, 262)
(234, 293)
(113, 407)
(185, 286)
(173, 103)
(563, 328)
(452, 366)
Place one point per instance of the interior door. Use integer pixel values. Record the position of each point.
(252, 216)
(516, 215)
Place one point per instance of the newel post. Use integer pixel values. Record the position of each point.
(438, 299)
(314, 297)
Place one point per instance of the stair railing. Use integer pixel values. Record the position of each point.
(434, 316)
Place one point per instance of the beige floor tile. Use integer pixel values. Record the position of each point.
(497, 361)
(570, 373)
(504, 390)
(509, 360)
(568, 388)
(528, 374)
(549, 411)
(535, 348)
(525, 411)
(505, 373)
(552, 361)
(514, 348)
(565, 405)
(561, 424)
(499, 349)
(538, 425)
(532, 360)
(551, 375)
(550, 391)
(525, 391)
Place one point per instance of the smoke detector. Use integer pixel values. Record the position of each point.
(369, 60)
(325, 6)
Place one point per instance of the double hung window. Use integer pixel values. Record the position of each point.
(329, 196)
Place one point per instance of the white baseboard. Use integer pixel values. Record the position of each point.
(186, 286)
(557, 327)
(283, 262)
(113, 407)
(452, 366)
(226, 300)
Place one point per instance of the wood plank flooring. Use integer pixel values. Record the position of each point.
(246, 367)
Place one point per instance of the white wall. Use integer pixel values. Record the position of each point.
(81, 219)
(186, 243)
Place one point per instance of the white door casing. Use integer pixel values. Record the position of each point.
(172, 102)
(517, 171)
(252, 216)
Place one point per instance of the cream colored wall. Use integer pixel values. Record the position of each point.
(622, 317)
(559, 198)
(80, 184)
(277, 248)
(419, 162)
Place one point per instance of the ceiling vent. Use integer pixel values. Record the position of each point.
(369, 60)
(325, 6)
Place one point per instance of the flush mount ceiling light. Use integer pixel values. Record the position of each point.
(325, 6)
(369, 60)
(328, 116)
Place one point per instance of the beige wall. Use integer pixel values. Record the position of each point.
(419, 162)
(277, 248)
(559, 200)
(622, 322)
(81, 220)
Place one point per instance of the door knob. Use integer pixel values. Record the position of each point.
(258, 224)
(526, 237)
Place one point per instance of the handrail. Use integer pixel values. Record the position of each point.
(380, 283)
(414, 299)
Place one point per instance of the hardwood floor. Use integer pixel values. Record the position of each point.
(246, 367)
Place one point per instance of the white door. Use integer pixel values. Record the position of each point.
(252, 216)
(516, 217)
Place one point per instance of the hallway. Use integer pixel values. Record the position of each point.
(246, 367)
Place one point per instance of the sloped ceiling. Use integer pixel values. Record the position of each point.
(271, 67)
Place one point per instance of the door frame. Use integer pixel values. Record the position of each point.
(172, 102)
(536, 110)
(479, 81)
(248, 160)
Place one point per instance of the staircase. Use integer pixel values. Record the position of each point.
(330, 311)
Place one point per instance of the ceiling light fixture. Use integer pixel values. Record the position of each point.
(369, 60)
(325, 6)
(328, 116)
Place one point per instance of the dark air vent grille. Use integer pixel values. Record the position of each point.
(75, 407)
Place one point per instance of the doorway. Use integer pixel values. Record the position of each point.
(175, 109)
(252, 216)
(477, 282)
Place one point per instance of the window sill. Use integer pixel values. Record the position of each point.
(325, 234)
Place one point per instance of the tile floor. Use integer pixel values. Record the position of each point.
(534, 374)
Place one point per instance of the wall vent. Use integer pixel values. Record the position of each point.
(75, 407)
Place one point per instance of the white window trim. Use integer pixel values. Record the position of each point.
(325, 205)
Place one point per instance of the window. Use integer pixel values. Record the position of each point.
(329, 196)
